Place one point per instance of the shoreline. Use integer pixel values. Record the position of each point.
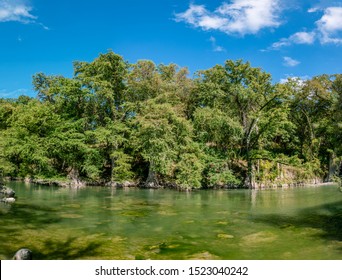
(67, 183)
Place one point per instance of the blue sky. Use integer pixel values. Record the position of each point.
(287, 38)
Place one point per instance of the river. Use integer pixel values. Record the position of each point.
(106, 223)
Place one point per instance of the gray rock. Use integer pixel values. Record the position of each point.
(8, 199)
(23, 254)
(6, 192)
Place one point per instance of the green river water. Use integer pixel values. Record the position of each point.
(105, 223)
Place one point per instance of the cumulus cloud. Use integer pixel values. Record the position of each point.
(239, 17)
(303, 38)
(330, 26)
(290, 62)
(297, 38)
(329, 30)
(16, 10)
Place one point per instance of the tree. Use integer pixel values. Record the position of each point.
(160, 135)
(7, 107)
(24, 142)
(247, 93)
(93, 104)
(313, 111)
(105, 81)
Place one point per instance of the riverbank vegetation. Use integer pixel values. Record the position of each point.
(152, 125)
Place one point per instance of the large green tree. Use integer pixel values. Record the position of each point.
(248, 97)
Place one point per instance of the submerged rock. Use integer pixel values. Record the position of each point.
(6, 192)
(259, 238)
(8, 199)
(225, 236)
(23, 254)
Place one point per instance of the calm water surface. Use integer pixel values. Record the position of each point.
(106, 223)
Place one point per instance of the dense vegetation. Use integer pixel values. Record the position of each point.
(228, 126)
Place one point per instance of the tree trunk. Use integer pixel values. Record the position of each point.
(249, 178)
(333, 166)
(73, 175)
(151, 181)
(112, 165)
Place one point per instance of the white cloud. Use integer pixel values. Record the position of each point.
(14, 93)
(313, 10)
(329, 30)
(249, 16)
(219, 49)
(297, 38)
(216, 48)
(15, 10)
(303, 38)
(300, 80)
(238, 17)
(192, 14)
(290, 62)
(330, 26)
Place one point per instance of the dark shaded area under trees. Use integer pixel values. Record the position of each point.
(228, 126)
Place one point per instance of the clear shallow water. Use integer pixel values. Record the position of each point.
(106, 223)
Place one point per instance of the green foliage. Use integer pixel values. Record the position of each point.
(219, 174)
(228, 126)
(159, 136)
(122, 167)
(189, 171)
(215, 128)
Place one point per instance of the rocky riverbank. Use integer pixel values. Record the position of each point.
(68, 183)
